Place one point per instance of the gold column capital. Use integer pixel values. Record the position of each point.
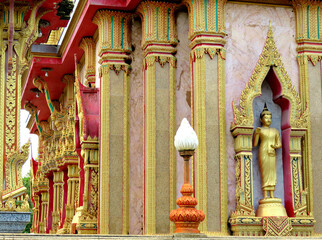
(308, 26)
(206, 18)
(158, 25)
(243, 138)
(89, 47)
(207, 28)
(114, 31)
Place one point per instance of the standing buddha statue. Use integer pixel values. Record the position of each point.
(268, 139)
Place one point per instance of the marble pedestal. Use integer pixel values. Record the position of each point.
(13, 222)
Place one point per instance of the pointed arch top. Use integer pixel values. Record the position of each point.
(269, 59)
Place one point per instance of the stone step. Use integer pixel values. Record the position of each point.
(137, 237)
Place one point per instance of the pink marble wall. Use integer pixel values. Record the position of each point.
(183, 86)
(136, 133)
(183, 83)
(247, 27)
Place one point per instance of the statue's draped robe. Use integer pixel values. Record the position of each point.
(267, 157)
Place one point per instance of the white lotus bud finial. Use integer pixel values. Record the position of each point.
(185, 138)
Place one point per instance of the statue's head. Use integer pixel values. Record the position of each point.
(266, 116)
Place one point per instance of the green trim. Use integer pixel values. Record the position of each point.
(112, 23)
(51, 107)
(146, 25)
(168, 27)
(205, 2)
(122, 33)
(49, 102)
(22, 17)
(157, 23)
(38, 126)
(307, 22)
(194, 16)
(216, 15)
(318, 21)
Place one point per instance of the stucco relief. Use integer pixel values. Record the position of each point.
(247, 27)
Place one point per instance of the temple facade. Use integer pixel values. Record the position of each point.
(107, 92)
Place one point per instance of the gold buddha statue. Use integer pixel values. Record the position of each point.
(268, 139)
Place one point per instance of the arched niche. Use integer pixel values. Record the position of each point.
(267, 98)
(293, 123)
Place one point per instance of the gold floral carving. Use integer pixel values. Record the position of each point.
(270, 58)
(88, 217)
(11, 122)
(13, 167)
(2, 105)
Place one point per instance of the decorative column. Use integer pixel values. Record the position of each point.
(309, 38)
(89, 210)
(72, 197)
(58, 200)
(88, 45)
(207, 64)
(159, 73)
(114, 48)
(44, 212)
(299, 201)
(244, 175)
(35, 219)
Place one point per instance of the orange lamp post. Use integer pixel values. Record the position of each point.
(186, 218)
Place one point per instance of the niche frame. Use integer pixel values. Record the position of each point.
(294, 122)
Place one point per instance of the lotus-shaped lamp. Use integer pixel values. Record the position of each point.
(185, 138)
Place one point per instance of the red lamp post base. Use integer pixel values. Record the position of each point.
(187, 218)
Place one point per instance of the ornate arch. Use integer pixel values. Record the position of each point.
(269, 59)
